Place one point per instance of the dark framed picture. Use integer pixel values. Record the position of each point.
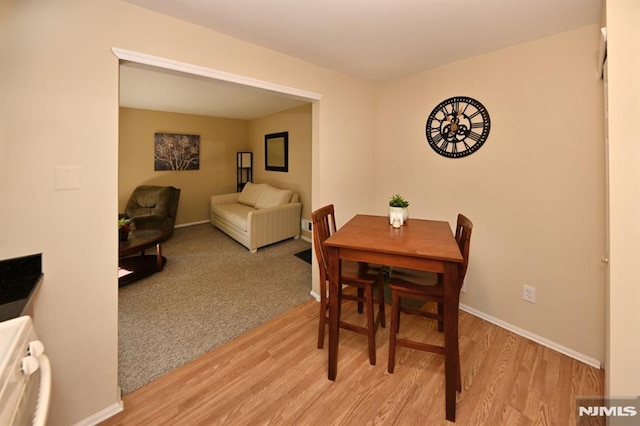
(276, 152)
(176, 152)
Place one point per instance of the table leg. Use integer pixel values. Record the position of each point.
(334, 310)
(159, 256)
(451, 296)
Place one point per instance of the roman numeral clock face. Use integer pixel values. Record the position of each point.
(457, 127)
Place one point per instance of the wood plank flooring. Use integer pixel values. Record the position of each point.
(276, 375)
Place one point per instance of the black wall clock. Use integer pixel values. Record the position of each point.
(458, 127)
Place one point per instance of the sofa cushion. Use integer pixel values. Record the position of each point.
(250, 192)
(271, 197)
(234, 214)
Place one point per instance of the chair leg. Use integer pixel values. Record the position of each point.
(395, 319)
(323, 314)
(381, 302)
(395, 314)
(459, 373)
(371, 330)
(360, 296)
(395, 327)
(441, 315)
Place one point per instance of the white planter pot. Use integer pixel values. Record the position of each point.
(400, 213)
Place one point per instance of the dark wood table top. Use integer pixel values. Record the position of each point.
(419, 238)
(139, 240)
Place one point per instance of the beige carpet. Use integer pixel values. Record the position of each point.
(211, 291)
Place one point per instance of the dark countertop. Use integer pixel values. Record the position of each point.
(19, 279)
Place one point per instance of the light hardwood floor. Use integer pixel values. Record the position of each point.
(276, 375)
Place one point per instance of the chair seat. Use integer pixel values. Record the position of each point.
(418, 285)
(420, 282)
(360, 271)
(412, 275)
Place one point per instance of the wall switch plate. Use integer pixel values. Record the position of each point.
(529, 293)
(66, 178)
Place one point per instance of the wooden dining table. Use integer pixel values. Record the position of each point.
(427, 245)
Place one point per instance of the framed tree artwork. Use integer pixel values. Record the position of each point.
(176, 151)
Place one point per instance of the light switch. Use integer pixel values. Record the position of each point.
(66, 178)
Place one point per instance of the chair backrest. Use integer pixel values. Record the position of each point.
(463, 236)
(150, 199)
(323, 223)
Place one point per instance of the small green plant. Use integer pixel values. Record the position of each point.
(124, 223)
(398, 201)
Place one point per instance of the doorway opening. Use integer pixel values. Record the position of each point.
(225, 83)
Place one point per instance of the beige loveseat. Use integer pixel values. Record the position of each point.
(258, 216)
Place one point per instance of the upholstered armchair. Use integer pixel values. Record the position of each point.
(153, 207)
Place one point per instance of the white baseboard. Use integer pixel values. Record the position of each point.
(534, 337)
(307, 239)
(184, 225)
(315, 295)
(102, 415)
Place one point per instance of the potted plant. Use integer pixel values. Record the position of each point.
(398, 208)
(124, 226)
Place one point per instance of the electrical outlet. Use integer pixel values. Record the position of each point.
(305, 224)
(529, 293)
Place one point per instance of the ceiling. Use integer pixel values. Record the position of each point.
(375, 40)
(147, 87)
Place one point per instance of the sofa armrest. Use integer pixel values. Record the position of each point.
(224, 198)
(273, 224)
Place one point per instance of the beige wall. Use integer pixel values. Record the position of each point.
(220, 139)
(623, 362)
(297, 122)
(534, 190)
(68, 115)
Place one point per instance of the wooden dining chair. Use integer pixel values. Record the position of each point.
(360, 275)
(426, 286)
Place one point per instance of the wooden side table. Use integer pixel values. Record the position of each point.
(133, 267)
